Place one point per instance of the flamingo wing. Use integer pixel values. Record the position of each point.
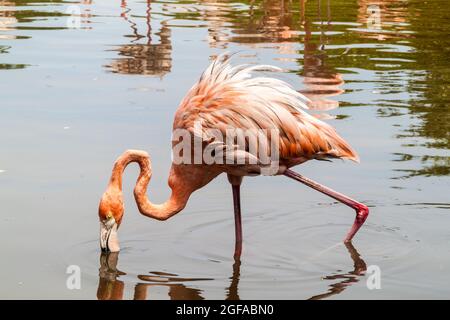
(227, 97)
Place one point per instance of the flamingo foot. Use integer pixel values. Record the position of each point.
(362, 212)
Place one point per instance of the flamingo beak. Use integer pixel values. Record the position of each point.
(109, 241)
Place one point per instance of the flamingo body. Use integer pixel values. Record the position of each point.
(229, 97)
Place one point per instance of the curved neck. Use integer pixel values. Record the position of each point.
(173, 205)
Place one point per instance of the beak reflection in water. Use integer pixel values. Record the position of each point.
(110, 287)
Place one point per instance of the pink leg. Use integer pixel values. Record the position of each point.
(237, 220)
(362, 212)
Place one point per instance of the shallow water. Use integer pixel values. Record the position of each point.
(78, 89)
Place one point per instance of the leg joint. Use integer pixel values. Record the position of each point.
(362, 212)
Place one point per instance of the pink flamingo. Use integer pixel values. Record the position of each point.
(228, 97)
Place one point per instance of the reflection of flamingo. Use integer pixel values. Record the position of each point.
(7, 20)
(359, 269)
(111, 288)
(144, 58)
(379, 14)
(225, 98)
(269, 21)
(320, 80)
(233, 289)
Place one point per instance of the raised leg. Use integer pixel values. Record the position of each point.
(362, 212)
(236, 186)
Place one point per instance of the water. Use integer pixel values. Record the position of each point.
(77, 90)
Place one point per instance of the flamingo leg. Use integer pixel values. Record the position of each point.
(362, 212)
(237, 219)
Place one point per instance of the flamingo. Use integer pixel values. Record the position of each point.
(230, 97)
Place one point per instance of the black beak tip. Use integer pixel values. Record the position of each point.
(105, 250)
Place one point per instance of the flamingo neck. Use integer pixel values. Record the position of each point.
(173, 205)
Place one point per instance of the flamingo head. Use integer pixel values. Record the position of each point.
(110, 213)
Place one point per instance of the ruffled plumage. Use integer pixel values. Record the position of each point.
(227, 97)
